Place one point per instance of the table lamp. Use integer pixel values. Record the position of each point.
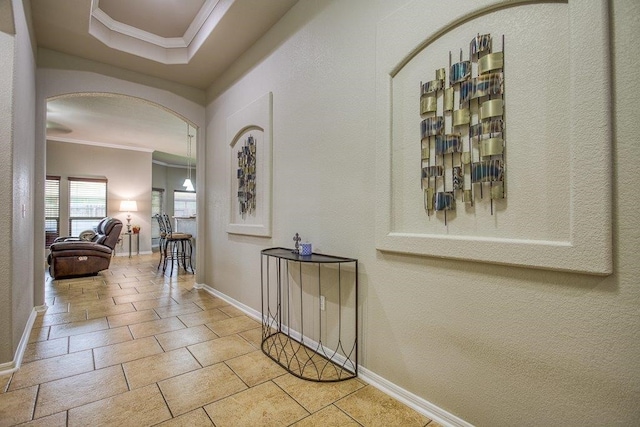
(128, 206)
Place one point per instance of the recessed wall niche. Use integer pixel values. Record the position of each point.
(249, 136)
(557, 214)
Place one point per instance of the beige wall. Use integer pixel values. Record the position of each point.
(23, 214)
(6, 197)
(17, 121)
(128, 174)
(493, 345)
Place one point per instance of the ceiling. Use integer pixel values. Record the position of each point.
(191, 42)
(172, 20)
(119, 122)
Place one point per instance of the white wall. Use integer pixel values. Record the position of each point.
(128, 176)
(494, 345)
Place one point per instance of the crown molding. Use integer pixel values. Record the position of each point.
(99, 144)
(169, 165)
(137, 33)
(166, 50)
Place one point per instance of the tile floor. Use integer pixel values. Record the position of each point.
(131, 347)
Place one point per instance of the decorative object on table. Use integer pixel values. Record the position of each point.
(135, 229)
(305, 249)
(250, 164)
(128, 206)
(247, 176)
(188, 185)
(468, 153)
(296, 248)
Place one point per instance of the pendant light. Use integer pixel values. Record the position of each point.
(187, 182)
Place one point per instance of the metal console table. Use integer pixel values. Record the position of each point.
(310, 314)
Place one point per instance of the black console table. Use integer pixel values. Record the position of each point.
(310, 314)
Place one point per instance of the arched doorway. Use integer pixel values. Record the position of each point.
(65, 84)
(144, 151)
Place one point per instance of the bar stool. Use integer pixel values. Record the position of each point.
(173, 246)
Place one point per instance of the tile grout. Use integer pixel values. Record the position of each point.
(176, 289)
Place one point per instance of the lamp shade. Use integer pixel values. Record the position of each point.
(128, 206)
(188, 185)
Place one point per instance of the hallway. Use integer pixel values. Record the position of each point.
(131, 347)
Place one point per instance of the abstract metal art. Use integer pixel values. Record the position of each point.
(247, 176)
(465, 121)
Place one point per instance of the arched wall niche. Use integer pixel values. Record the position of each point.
(255, 121)
(558, 134)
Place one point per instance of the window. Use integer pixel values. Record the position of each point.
(51, 209)
(184, 203)
(157, 204)
(87, 203)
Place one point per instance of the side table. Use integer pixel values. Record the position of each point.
(129, 234)
(310, 314)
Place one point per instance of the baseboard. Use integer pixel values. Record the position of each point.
(126, 253)
(14, 365)
(336, 358)
(256, 315)
(417, 403)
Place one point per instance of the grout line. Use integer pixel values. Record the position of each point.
(179, 292)
(165, 400)
(35, 403)
(292, 398)
(126, 379)
(208, 416)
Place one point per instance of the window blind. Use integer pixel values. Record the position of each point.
(157, 202)
(87, 203)
(51, 209)
(184, 203)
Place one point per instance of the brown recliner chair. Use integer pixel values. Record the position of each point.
(72, 256)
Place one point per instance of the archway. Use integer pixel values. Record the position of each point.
(64, 84)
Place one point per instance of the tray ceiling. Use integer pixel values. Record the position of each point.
(144, 36)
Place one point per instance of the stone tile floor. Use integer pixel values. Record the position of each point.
(133, 347)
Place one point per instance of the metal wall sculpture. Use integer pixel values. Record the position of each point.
(463, 130)
(247, 176)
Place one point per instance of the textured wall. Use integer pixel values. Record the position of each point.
(23, 176)
(494, 345)
(6, 193)
(17, 103)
